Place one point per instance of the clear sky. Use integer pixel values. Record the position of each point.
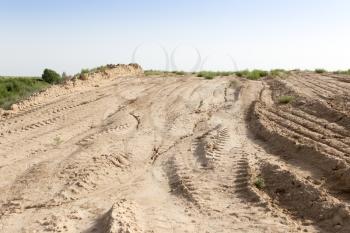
(68, 35)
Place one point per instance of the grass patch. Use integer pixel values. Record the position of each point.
(213, 74)
(154, 72)
(15, 89)
(346, 72)
(256, 74)
(178, 72)
(285, 99)
(277, 73)
(320, 71)
(259, 183)
(85, 73)
(207, 74)
(252, 75)
(242, 73)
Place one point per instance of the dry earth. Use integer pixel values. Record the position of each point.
(121, 152)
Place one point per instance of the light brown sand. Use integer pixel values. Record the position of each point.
(138, 154)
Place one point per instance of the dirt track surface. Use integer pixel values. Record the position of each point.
(180, 154)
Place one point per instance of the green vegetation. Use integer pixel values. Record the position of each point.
(84, 74)
(51, 76)
(259, 183)
(178, 72)
(154, 72)
(213, 74)
(257, 74)
(320, 71)
(242, 73)
(85, 71)
(277, 73)
(346, 72)
(252, 75)
(15, 89)
(94, 70)
(159, 72)
(57, 141)
(285, 99)
(207, 74)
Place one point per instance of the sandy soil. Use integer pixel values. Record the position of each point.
(179, 154)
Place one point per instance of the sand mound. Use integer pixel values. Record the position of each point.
(121, 218)
(92, 80)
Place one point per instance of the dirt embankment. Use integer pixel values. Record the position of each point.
(311, 138)
(91, 80)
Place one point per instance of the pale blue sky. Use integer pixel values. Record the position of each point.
(68, 35)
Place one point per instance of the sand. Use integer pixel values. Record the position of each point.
(122, 152)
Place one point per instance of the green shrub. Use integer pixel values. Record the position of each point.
(213, 74)
(256, 74)
(179, 72)
(226, 73)
(51, 76)
(243, 73)
(85, 71)
(207, 74)
(209, 77)
(285, 99)
(347, 72)
(84, 74)
(320, 71)
(13, 90)
(259, 183)
(101, 69)
(252, 75)
(277, 72)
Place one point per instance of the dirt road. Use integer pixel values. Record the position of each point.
(177, 154)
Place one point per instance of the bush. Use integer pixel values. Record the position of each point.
(84, 74)
(85, 71)
(243, 73)
(252, 75)
(320, 71)
(179, 72)
(259, 183)
(102, 69)
(347, 72)
(286, 99)
(51, 76)
(213, 74)
(207, 74)
(256, 74)
(277, 72)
